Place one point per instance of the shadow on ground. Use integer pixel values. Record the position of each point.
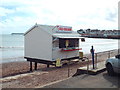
(115, 80)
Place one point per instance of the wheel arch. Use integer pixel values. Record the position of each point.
(108, 64)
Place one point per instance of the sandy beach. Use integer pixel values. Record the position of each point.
(43, 75)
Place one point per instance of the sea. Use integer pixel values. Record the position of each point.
(12, 47)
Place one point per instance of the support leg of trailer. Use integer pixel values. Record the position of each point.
(30, 66)
(35, 65)
(48, 65)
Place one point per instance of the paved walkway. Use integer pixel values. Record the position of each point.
(99, 67)
(98, 80)
(101, 80)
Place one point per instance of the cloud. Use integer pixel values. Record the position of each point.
(19, 15)
(112, 15)
(4, 11)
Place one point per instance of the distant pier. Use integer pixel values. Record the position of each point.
(95, 33)
(17, 33)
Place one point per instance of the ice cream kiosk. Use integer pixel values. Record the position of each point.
(51, 44)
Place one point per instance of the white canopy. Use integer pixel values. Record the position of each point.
(70, 35)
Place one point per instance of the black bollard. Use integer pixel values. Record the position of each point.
(92, 52)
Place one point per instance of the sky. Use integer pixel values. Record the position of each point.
(17, 16)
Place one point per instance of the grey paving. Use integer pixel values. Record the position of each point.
(88, 81)
(83, 80)
(89, 69)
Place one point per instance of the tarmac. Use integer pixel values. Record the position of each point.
(88, 78)
(101, 80)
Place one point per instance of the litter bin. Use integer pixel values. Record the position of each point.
(80, 54)
(58, 63)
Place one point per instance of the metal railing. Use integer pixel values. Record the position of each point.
(102, 56)
(98, 57)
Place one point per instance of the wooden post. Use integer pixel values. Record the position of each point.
(48, 65)
(35, 65)
(69, 68)
(96, 60)
(108, 54)
(30, 66)
(118, 50)
(87, 65)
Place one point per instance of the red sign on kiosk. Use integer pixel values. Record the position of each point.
(64, 28)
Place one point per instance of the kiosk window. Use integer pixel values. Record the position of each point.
(55, 42)
(72, 43)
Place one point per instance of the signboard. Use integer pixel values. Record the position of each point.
(64, 28)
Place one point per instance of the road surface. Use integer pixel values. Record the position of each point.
(101, 80)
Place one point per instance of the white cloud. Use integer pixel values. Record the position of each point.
(4, 11)
(101, 14)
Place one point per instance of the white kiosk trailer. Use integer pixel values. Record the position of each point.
(49, 45)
